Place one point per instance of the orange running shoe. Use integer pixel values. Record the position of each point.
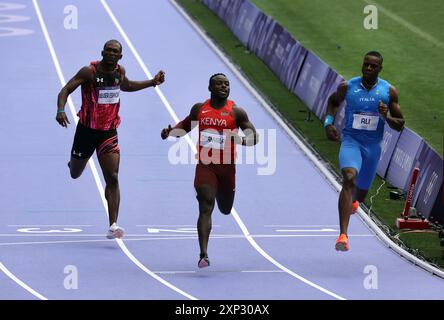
(342, 243)
(355, 206)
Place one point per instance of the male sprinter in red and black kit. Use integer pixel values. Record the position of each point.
(218, 119)
(101, 83)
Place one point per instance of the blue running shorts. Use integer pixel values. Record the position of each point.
(364, 157)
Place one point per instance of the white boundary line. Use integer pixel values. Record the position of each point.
(92, 164)
(21, 283)
(176, 119)
(156, 235)
(324, 171)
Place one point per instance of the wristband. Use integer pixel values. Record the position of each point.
(329, 119)
(60, 111)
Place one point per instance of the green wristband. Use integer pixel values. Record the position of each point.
(60, 111)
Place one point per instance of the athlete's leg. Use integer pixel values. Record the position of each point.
(370, 159)
(82, 149)
(360, 194)
(225, 201)
(345, 198)
(76, 166)
(205, 184)
(350, 161)
(205, 195)
(109, 162)
(226, 174)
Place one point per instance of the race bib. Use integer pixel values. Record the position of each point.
(109, 96)
(362, 121)
(212, 139)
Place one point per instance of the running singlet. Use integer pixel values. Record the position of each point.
(214, 124)
(362, 119)
(100, 100)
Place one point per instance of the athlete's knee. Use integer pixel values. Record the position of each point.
(206, 203)
(225, 210)
(112, 179)
(75, 175)
(224, 207)
(349, 178)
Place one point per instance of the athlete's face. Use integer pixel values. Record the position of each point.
(112, 53)
(220, 87)
(371, 67)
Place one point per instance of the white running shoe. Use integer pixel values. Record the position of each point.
(115, 232)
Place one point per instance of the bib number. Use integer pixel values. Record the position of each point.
(365, 122)
(213, 140)
(109, 96)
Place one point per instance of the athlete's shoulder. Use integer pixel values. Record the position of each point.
(384, 82)
(239, 113)
(237, 108)
(195, 109)
(121, 69)
(343, 85)
(86, 72)
(355, 80)
(198, 105)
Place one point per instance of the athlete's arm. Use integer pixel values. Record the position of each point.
(130, 86)
(83, 75)
(251, 137)
(395, 120)
(184, 126)
(334, 101)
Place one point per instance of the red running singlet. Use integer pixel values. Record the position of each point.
(100, 100)
(214, 124)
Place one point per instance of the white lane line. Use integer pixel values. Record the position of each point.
(83, 241)
(50, 225)
(145, 70)
(222, 235)
(306, 230)
(323, 171)
(21, 283)
(407, 24)
(185, 238)
(12, 276)
(188, 139)
(262, 271)
(91, 162)
(219, 271)
(172, 225)
(299, 225)
(173, 272)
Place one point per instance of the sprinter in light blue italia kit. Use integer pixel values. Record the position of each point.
(370, 103)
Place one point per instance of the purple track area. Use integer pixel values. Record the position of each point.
(291, 214)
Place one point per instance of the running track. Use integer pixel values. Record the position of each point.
(271, 247)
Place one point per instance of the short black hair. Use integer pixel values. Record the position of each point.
(112, 41)
(215, 75)
(375, 54)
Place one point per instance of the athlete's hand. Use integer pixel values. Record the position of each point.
(233, 137)
(383, 109)
(331, 133)
(159, 78)
(165, 132)
(62, 119)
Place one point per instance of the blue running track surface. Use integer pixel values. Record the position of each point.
(279, 242)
